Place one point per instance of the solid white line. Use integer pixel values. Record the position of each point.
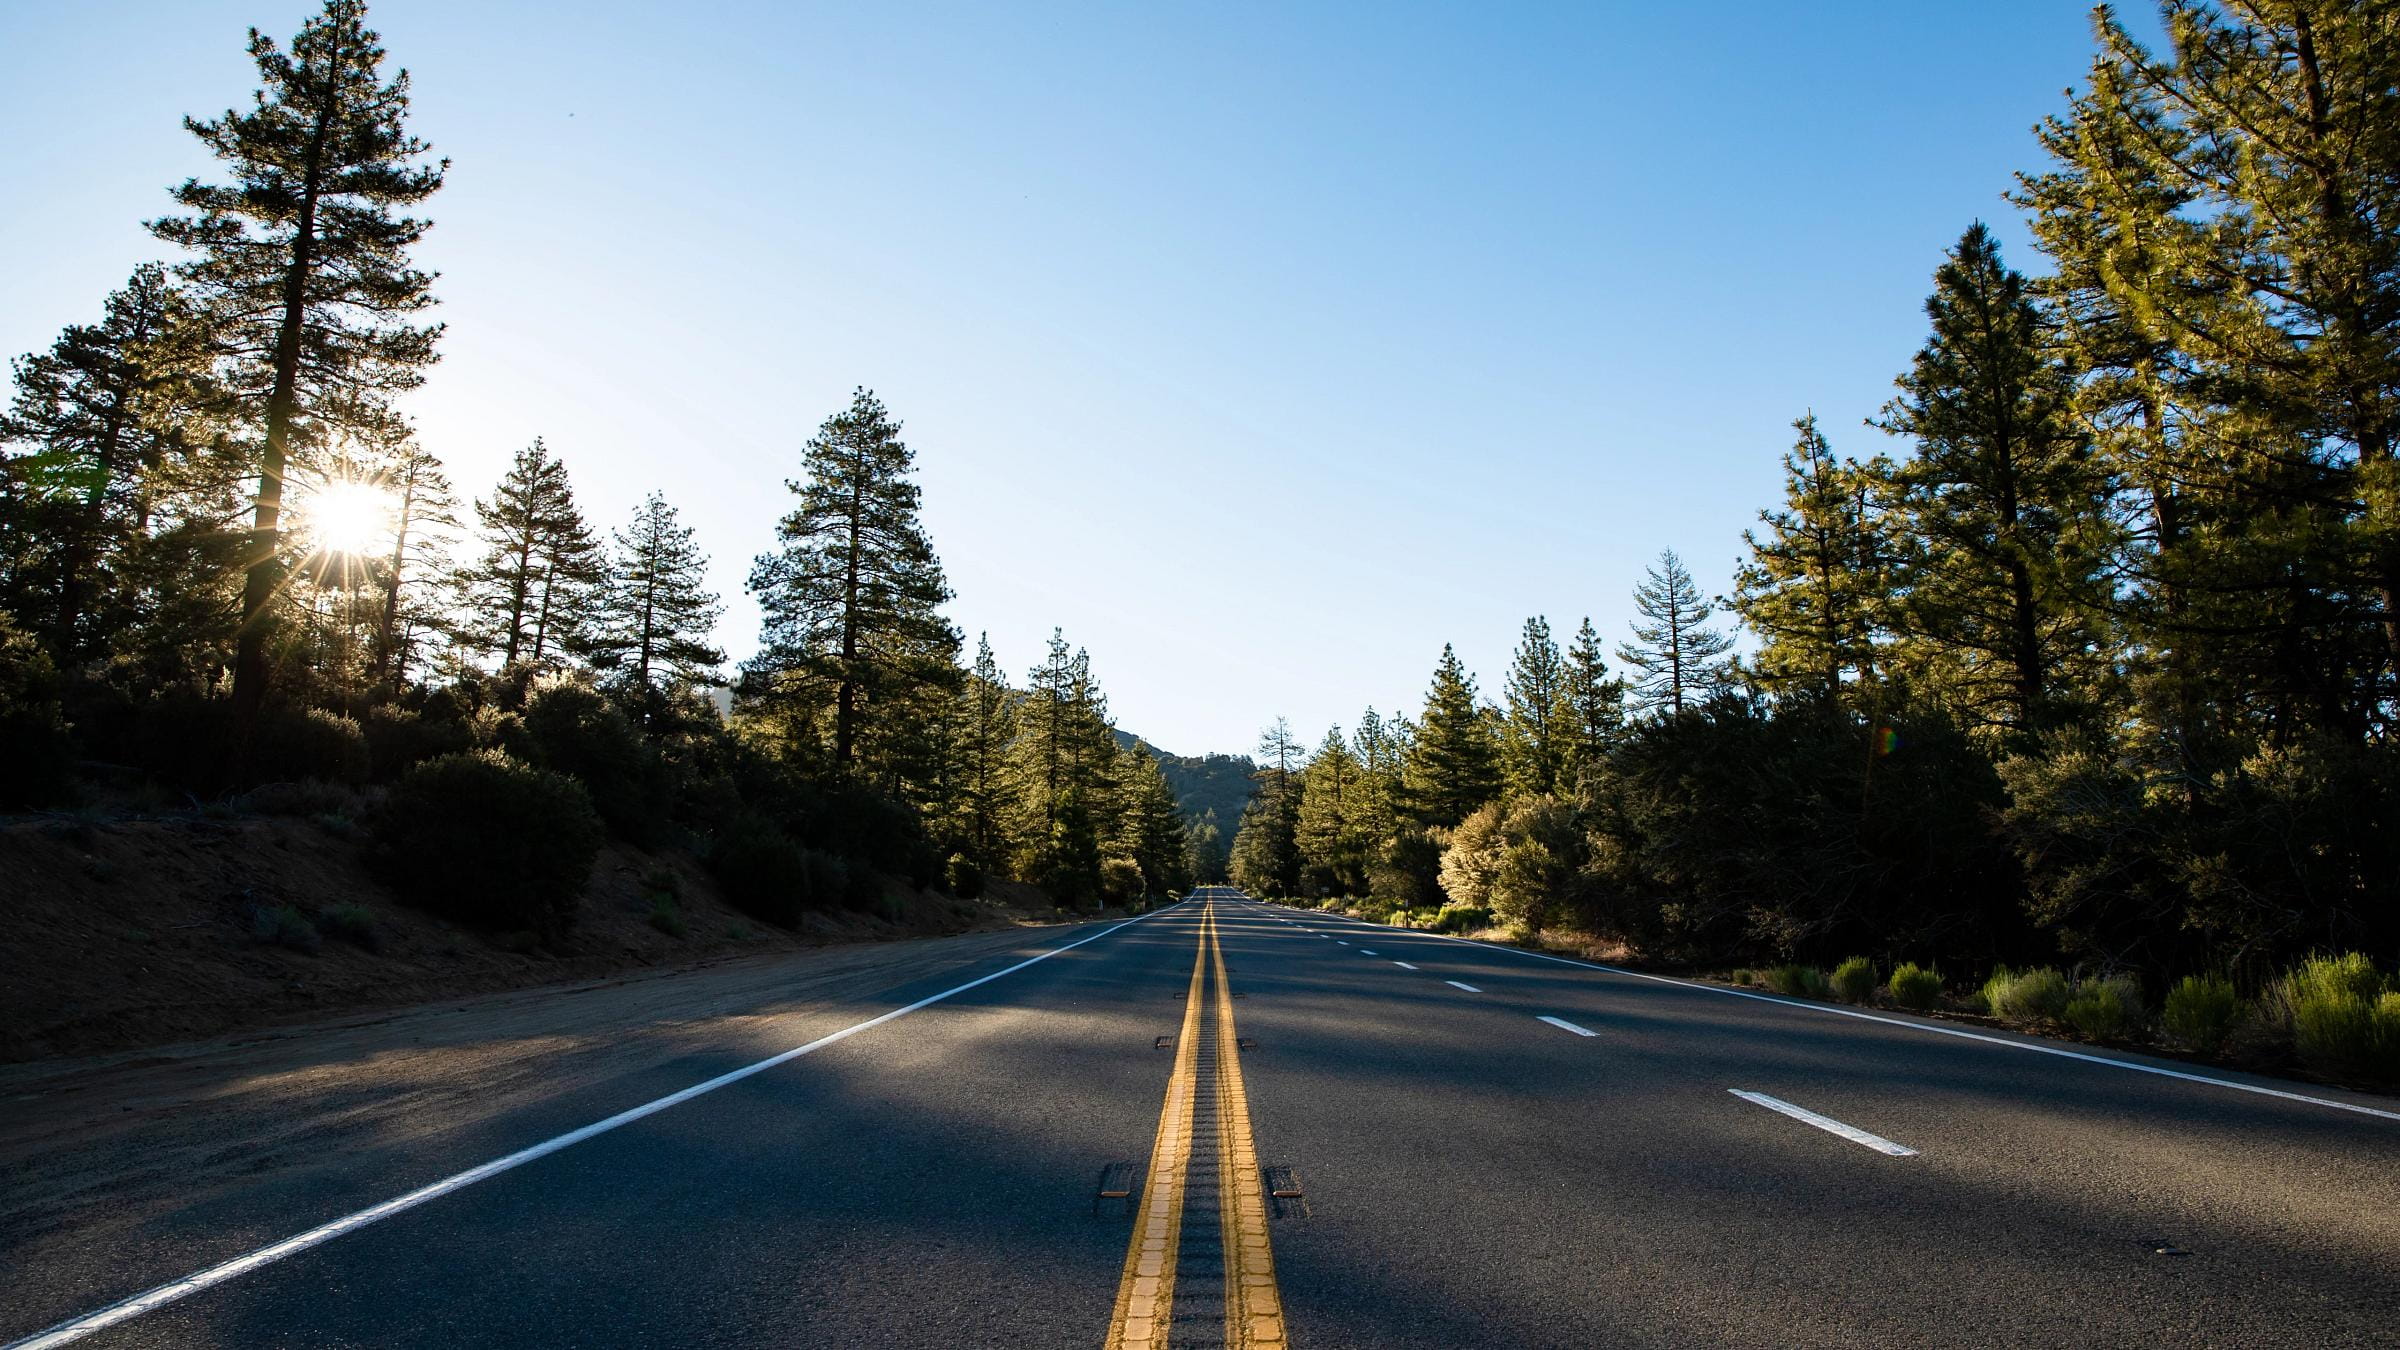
(77, 1328)
(1930, 1028)
(1468, 987)
(1565, 1025)
(1404, 965)
(1827, 1123)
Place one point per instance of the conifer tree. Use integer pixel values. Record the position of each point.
(853, 598)
(1150, 826)
(1594, 704)
(658, 614)
(1679, 656)
(93, 421)
(1266, 851)
(2000, 515)
(1810, 587)
(1454, 764)
(988, 783)
(424, 517)
(1535, 737)
(531, 592)
(1066, 754)
(1380, 751)
(302, 267)
(1331, 832)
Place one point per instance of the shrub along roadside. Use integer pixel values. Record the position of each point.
(489, 841)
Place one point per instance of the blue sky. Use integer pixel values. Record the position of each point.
(1263, 348)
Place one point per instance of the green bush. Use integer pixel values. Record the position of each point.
(1799, 982)
(1913, 986)
(2201, 1010)
(351, 924)
(2029, 997)
(572, 729)
(292, 745)
(36, 752)
(1120, 879)
(490, 841)
(398, 739)
(666, 916)
(769, 875)
(2105, 1009)
(284, 926)
(965, 878)
(2342, 1020)
(1854, 980)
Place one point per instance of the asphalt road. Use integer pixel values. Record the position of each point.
(1491, 1149)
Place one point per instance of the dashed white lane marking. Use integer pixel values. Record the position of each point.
(1344, 943)
(1827, 1123)
(1468, 987)
(1365, 952)
(1404, 965)
(76, 1329)
(1929, 1028)
(1564, 1025)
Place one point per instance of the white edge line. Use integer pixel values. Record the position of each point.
(76, 1328)
(1827, 1123)
(1565, 1025)
(1468, 987)
(1960, 1033)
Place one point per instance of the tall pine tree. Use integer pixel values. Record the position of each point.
(302, 268)
(1594, 704)
(1454, 765)
(853, 597)
(1679, 656)
(1810, 588)
(659, 615)
(530, 594)
(1535, 737)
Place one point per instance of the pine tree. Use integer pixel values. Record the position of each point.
(1150, 827)
(531, 594)
(2000, 517)
(1266, 852)
(1678, 654)
(1066, 753)
(1535, 738)
(424, 518)
(1810, 588)
(853, 598)
(1331, 832)
(1454, 765)
(1380, 751)
(94, 418)
(658, 615)
(1594, 703)
(988, 784)
(302, 267)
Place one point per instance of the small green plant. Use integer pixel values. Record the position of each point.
(663, 880)
(1461, 919)
(1796, 981)
(2029, 997)
(1913, 986)
(1854, 980)
(2105, 1009)
(2342, 1019)
(284, 926)
(351, 924)
(666, 916)
(1742, 976)
(2200, 1011)
(489, 840)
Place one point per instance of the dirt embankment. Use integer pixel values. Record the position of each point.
(117, 934)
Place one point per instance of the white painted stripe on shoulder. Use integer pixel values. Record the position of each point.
(1468, 987)
(1564, 1025)
(75, 1329)
(1404, 965)
(1934, 1029)
(1827, 1123)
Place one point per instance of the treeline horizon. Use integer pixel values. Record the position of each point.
(2101, 669)
(227, 560)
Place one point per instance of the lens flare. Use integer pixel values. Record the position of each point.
(349, 516)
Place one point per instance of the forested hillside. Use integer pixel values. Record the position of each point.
(1212, 790)
(2095, 666)
(228, 561)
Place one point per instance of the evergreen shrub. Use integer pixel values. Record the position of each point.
(2201, 1010)
(1853, 980)
(1913, 986)
(490, 841)
(2027, 997)
(1796, 981)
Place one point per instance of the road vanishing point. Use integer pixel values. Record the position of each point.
(1224, 1123)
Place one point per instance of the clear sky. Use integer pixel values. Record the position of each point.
(1262, 347)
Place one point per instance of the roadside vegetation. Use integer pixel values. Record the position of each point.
(235, 580)
(2085, 692)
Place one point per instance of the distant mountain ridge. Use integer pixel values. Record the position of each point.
(1210, 788)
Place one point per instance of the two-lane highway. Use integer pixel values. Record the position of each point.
(1230, 1123)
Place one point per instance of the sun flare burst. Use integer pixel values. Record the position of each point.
(349, 516)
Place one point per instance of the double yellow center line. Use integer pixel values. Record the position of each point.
(1146, 1290)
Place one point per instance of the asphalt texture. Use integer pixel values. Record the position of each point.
(1471, 1175)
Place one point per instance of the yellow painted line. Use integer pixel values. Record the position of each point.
(1253, 1301)
(1146, 1290)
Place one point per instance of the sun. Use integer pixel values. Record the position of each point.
(348, 516)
